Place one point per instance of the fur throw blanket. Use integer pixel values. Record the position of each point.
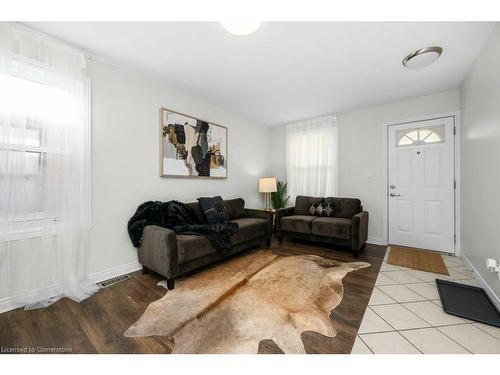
(180, 218)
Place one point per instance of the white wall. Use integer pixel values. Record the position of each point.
(125, 171)
(480, 160)
(360, 149)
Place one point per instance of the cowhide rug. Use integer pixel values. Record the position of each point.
(232, 306)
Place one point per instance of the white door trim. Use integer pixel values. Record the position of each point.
(385, 201)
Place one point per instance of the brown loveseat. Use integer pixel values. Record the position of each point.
(348, 226)
(170, 254)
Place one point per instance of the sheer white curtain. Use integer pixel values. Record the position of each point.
(311, 157)
(44, 169)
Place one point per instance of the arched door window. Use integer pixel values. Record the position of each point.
(419, 136)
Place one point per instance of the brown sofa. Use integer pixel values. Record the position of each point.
(171, 255)
(348, 226)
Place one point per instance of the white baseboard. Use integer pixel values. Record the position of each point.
(491, 293)
(376, 240)
(7, 304)
(115, 271)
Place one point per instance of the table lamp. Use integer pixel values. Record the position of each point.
(267, 186)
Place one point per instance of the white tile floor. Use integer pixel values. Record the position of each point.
(405, 315)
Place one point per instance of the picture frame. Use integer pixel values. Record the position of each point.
(191, 147)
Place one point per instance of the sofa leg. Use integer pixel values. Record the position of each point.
(145, 270)
(355, 253)
(280, 238)
(268, 242)
(170, 284)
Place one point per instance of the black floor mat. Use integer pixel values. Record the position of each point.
(468, 302)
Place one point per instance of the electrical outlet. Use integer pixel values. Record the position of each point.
(493, 266)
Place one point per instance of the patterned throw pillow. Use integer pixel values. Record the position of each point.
(214, 209)
(312, 208)
(321, 209)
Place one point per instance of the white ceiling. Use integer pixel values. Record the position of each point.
(285, 71)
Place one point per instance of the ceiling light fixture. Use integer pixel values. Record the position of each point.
(241, 28)
(422, 57)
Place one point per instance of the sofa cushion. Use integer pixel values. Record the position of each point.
(332, 227)
(297, 223)
(248, 229)
(303, 203)
(235, 208)
(214, 209)
(191, 247)
(345, 207)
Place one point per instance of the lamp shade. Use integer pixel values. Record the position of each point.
(267, 185)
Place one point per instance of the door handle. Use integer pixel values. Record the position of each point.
(395, 195)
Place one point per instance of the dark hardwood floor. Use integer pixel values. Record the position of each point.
(96, 325)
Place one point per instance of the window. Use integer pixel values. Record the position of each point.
(311, 164)
(420, 136)
(26, 148)
(44, 126)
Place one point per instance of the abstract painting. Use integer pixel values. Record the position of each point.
(190, 147)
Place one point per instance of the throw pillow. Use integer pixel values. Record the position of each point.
(235, 208)
(328, 209)
(321, 209)
(312, 208)
(214, 209)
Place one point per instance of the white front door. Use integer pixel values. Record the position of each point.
(421, 184)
